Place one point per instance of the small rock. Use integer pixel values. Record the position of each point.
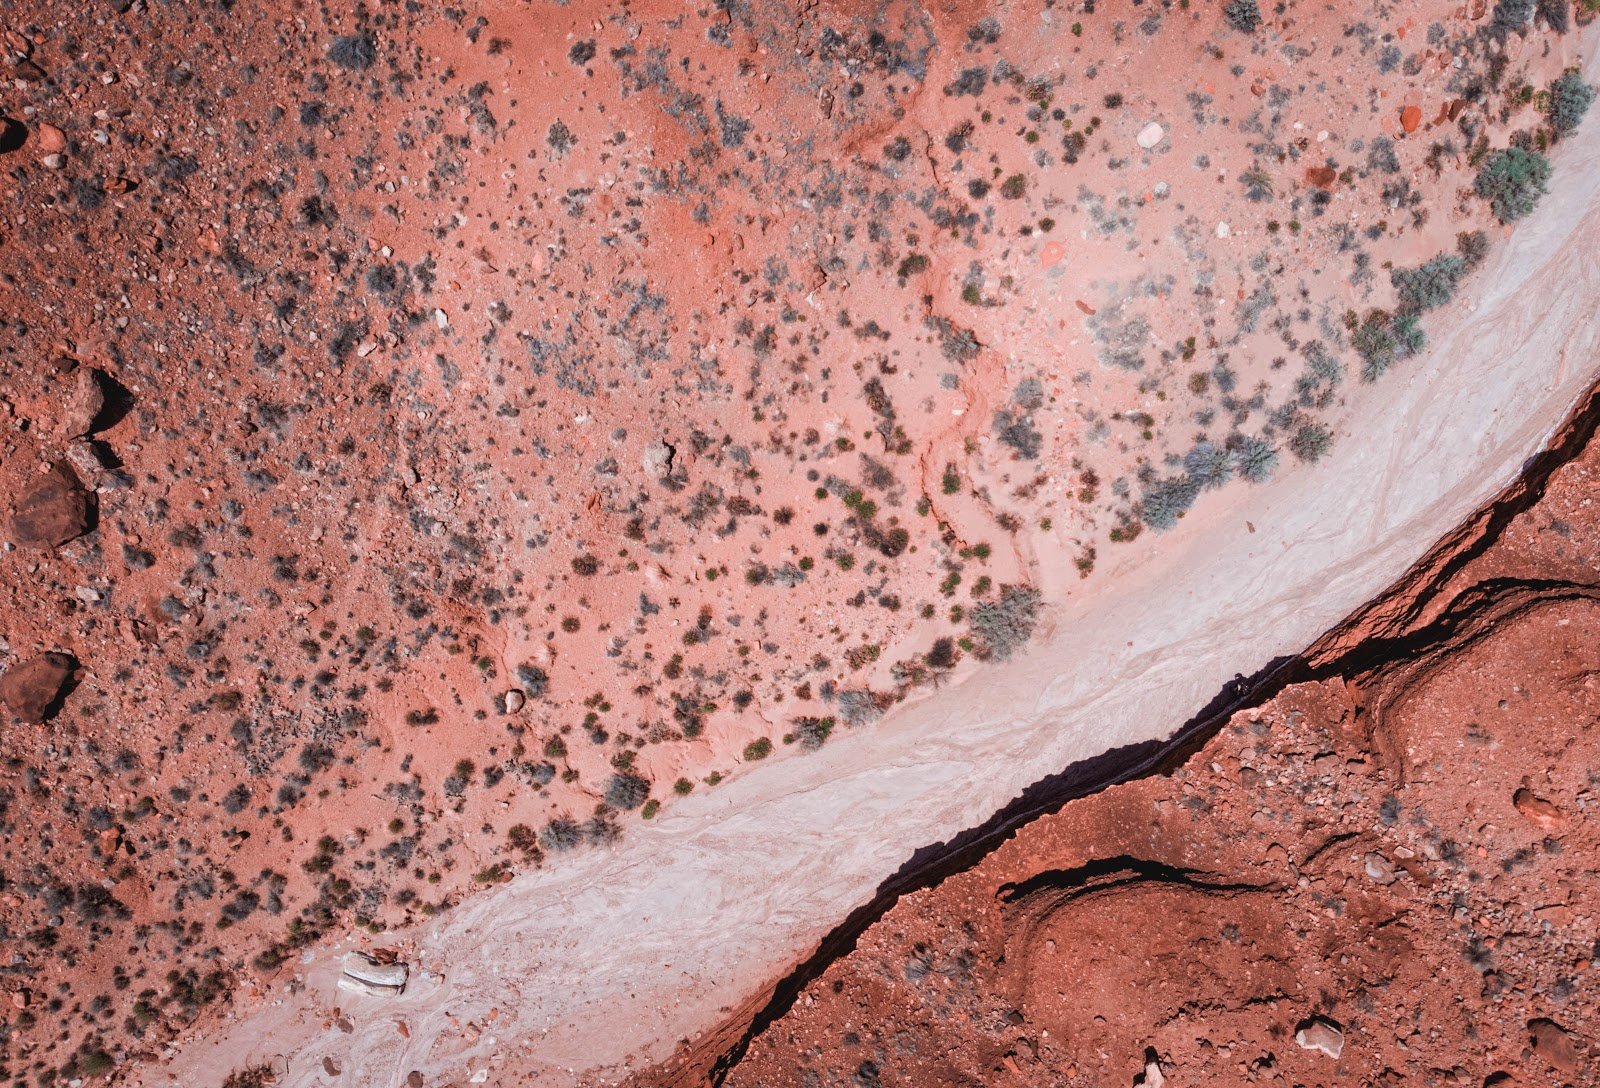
(53, 511)
(1322, 177)
(1552, 1043)
(1320, 1033)
(1536, 810)
(54, 162)
(1153, 1077)
(1410, 118)
(514, 701)
(88, 465)
(1378, 869)
(31, 687)
(50, 140)
(84, 402)
(1222, 230)
(1151, 135)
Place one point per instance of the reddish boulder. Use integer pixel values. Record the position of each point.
(31, 687)
(1410, 118)
(53, 511)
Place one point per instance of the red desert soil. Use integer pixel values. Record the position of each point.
(433, 439)
(1382, 875)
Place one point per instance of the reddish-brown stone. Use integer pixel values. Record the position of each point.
(52, 511)
(30, 688)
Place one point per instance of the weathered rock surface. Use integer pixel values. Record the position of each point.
(29, 688)
(53, 510)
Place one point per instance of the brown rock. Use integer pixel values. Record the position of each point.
(1410, 118)
(84, 401)
(53, 510)
(1552, 1043)
(1536, 810)
(1322, 177)
(50, 140)
(29, 688)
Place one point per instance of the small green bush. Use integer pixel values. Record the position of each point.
(760, 748)
(1008, 623)
(1310, 441)
(1429, 285)
(1512, 181)
(1254, 459)
(1208, 465)
(1570, 98)
(561, 833)
(627, 791)
(1165, 501)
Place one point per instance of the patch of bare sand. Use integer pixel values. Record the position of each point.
(610, 960)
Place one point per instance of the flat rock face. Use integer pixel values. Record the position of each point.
(52, 510)
(1390, 870)
(29, 688)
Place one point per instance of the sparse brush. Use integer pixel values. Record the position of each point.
(1016, 430)
(1429, 285)
(1513, 14)
(1473, 245)
(1245, 15)
(1375, 342)
(1208, 465)
(561, 833)
(1006, 624)
(1512, 180)
(627, 791)
(857, 707)
(1310, 441)
(1570, 98)
(812, 733)
(1167, 500)
(1254, 459)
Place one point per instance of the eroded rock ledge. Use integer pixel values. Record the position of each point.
(1366, 865)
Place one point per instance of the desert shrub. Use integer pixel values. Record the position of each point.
(1473, 245)
(1375, 342)
(1017, 431)
(857, 707)
(1165, 501)
(1381, 156)
(812, 733)
(1570, 98)
(627, 791)
(1558, 13)
(760, 748)
(353, 51)
(1254, 459)
(534, 679)
(1310, 441)
(1512, 181)
(1245, 15)
(1006, 624)
(1408, 335)
(1208, 465)
(256, 1076)
(1514, 14)
(1430, 284)
(561, 833)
